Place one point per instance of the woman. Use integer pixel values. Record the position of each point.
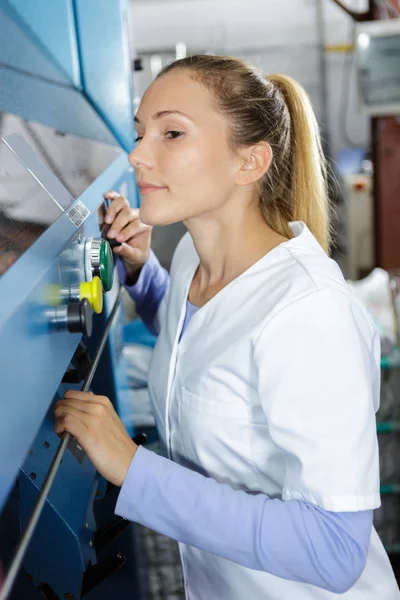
(265, 403)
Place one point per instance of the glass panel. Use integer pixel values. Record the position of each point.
(380, 69)
(26, 210)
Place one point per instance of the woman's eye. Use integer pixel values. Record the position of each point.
(173, 135)
(139, 137)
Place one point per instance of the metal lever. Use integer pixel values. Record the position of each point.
(44, 492)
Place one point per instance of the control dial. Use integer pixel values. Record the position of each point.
(99, 261)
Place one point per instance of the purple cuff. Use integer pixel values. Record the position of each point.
(149, 290)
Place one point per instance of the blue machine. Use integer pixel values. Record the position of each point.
(65, 64)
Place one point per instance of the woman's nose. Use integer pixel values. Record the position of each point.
(139, 157)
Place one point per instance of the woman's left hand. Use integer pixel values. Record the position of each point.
(93, 421)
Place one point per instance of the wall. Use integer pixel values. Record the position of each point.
(276, 35)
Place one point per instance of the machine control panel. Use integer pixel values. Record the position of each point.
(99, 262)
(91, 290)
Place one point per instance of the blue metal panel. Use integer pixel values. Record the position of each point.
(60, 107)
(53, 24)
(66, 64)
(23, 50)
(67, 516)
(32, 361)
(105, 63)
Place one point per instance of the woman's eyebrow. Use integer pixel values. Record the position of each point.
(164, 113)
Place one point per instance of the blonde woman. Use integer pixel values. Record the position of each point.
(265, 376)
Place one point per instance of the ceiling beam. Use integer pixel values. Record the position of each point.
(357, 16)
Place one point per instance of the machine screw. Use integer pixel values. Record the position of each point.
(33, 475)
(46, 445)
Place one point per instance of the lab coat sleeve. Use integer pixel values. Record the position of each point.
(318, 364)
(150, 292)
(294, 539)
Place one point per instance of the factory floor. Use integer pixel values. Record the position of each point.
(161, 569)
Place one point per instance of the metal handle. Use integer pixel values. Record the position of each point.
(44, 492)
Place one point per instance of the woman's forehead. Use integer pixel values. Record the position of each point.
(175, 92)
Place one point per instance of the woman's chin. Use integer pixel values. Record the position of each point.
(154, 217)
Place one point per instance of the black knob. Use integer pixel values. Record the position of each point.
(79, 318)
(140, 439)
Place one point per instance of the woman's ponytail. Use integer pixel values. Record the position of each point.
(307, 183)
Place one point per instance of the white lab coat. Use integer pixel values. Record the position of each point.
(273, 388)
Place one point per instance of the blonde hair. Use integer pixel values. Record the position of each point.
(275, 109)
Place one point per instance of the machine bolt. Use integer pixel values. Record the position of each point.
(33, 475)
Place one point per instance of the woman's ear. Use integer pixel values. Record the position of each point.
(255, 162)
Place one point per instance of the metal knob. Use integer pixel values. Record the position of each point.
(79, 318)
(73, 317)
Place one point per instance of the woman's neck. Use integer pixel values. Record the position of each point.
(227, 248)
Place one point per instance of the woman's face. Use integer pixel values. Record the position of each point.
(182, 151)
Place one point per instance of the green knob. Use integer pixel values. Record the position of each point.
(106, 265)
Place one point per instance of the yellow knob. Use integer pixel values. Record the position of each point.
(93, 291)
(53, 296)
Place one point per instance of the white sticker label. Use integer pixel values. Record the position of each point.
(78, 213)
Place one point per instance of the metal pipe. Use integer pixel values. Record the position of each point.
(44, 492)
(323, 77)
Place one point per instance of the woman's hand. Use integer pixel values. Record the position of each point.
(93, 421)
(126, 227)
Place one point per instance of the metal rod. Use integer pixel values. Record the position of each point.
(323, 76)
(44, 492)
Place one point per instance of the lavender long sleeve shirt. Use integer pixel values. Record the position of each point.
(292, 539)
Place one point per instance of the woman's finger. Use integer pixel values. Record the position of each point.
(118, 204)
(134, 229)
(111, 194)
(123, 218)
(73, 425)
(87, 396)
(89, 408)
(62, 411)
(132, 255)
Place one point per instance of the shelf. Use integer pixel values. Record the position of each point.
(390, 488)
(387, 426)
(392, 360)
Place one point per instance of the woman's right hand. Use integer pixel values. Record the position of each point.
(126, 227)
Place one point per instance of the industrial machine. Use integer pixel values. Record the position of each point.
(65, 65)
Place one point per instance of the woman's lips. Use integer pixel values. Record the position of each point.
(149, 190)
